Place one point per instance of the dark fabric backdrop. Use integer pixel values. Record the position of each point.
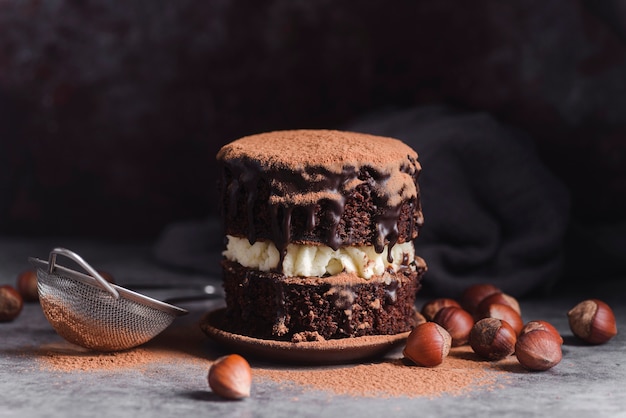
(111, 112)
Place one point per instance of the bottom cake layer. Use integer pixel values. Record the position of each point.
(270, 305)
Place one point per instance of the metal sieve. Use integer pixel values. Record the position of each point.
(93, 313)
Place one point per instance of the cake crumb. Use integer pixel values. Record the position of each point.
(307, 336)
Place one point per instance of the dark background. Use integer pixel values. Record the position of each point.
(111, 113)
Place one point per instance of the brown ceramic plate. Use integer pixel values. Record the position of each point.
(346, 350)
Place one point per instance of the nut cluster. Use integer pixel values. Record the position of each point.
(490, 321)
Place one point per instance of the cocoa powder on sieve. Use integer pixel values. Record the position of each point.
(77, 328)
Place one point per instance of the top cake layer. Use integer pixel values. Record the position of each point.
(301, 150)
(320, 186)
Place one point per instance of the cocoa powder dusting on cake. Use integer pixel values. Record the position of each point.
(303, 151)
(299, 148)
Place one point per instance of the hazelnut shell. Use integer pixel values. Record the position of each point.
(593, 321)
(502, 298)
(473, 295)
(11, 303)
(457, 321)
(427, 345)
(492, 339)
(503, 312)
(432, 307)
(230, 377)
(538, 350)
(27, 285)
(542, 325)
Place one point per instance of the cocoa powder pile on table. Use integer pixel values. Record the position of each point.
(460, 374)
(66, 358)
(182, 344)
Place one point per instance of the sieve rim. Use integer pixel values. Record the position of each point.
(42, 265)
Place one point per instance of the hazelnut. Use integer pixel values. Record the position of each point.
(427, 345)
(501, 298)
(230, 377)
(503, 312)
(538, 350)
(543, 326)
(430, 308)
(492, 338)
(11, 303)
(457, 321)
(592, 321)
(474, 294)
(27, 285)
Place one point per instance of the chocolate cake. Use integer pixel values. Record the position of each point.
(319, 227)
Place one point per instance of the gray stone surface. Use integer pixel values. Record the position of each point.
(589, 382)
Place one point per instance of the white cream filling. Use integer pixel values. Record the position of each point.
(317, 260)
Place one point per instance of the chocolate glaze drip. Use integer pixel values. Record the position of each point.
(311, 221)
(306, 190)
(281, 228)
(387, 227)
(415, 202)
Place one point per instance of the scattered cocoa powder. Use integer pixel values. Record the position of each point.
(460, 374)
(177, 345)
(69, 358)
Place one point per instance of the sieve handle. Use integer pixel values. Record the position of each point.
(81, 262)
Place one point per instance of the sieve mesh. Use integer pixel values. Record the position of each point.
(92, 317)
